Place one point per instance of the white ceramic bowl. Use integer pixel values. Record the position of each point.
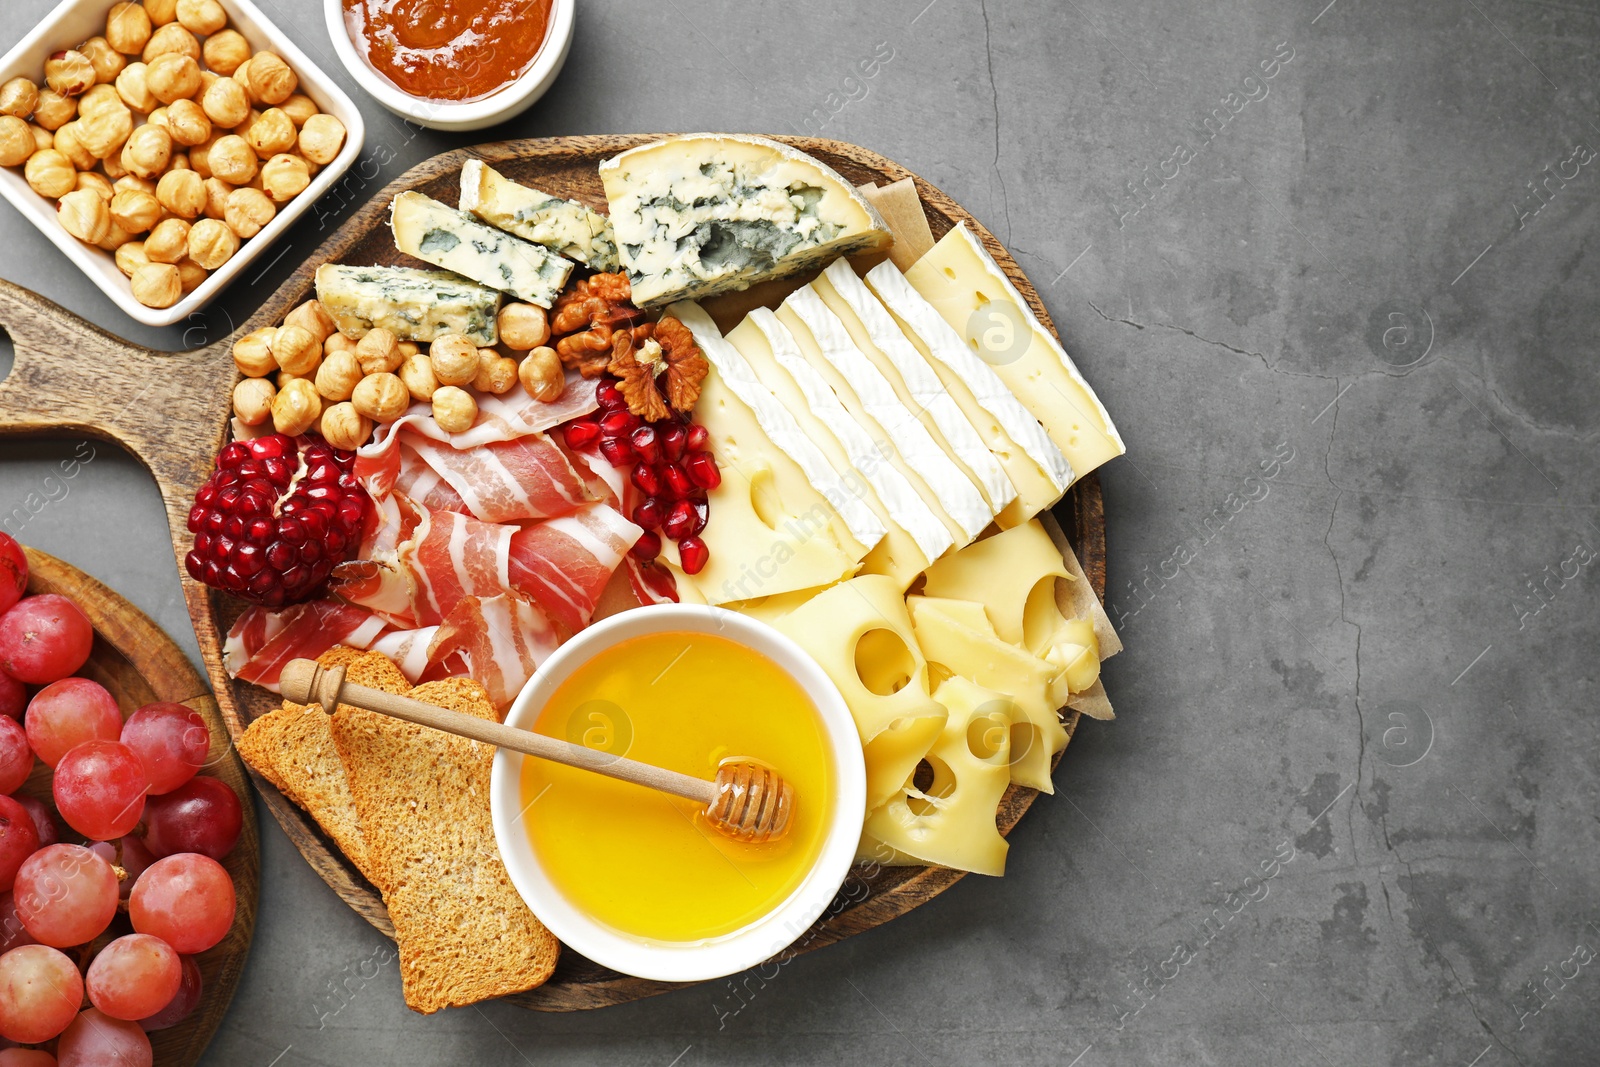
(497, 107)
(761, 939)
(74, 21)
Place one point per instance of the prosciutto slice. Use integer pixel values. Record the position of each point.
(529, 478)
(498, 641)
(262, 641)
(421, 483)
(563, 564)
(408, 649)
(453, 556)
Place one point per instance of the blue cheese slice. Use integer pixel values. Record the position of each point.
(439, 234)
(566, 227)
(713, 213)
(414, 305)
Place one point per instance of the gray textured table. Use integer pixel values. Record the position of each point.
(1344, 316)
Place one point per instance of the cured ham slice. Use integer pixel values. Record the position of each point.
(563, 564)
(651, 582)
(499, 642)
(453, 556)
(262, 641)
(529, 478)
(408, 649)
(384, 587)
(421, 484)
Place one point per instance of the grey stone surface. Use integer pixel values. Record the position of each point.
(1356, 373)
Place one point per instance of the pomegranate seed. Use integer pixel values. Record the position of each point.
(646, 479)
(609, 397)
(647, 548)
(645, 443)
(617, 451)
(674, 440)
(687, 518)
(698, 436)
(702, 470)
(678, 482)
(581, 433)
(618, 423)
(693, 554)
(649, 514)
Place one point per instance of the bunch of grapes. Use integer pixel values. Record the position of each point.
(98, 936)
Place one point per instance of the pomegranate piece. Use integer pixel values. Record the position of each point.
(649, 514)
(581, 434)
(275, 518)
(678, 483)
(645, 443)
(609, 397)
(646, 479)
(674, 442)
(693, 554)
(619, 423)
(701, 467)
(647, 548)
(617, 450)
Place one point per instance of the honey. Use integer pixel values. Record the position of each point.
(645, 863)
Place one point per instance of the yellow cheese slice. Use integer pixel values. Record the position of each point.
(972, 294)
(860, 634)
(951, 823)
(769, 530)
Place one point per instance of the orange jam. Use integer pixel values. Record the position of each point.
(456, 50)
(647, 863)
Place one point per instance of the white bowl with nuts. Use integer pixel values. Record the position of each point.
(163, 145)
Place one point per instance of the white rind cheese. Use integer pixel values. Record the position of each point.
(712, 213)
(414, 305)
(916, 382)
(566, 227)
(440, 234)
(780, 425)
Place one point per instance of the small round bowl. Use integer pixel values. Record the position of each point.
(503, 104)
(689, 961)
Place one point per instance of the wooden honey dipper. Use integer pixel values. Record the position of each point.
(747, 801)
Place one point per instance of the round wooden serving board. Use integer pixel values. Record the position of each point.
(172, 412)
(141, 665)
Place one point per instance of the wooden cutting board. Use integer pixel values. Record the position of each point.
(172, 411)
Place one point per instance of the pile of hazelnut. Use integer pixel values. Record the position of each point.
(166, 141)
(305, 375)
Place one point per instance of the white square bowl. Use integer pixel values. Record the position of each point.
(75, 21)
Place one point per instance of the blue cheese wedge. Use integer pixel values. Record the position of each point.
(565, 227)
(439, 234)
(713, 213)
(414, 305)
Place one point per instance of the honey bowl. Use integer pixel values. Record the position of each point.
(637, 880)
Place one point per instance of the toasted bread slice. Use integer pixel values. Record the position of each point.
(423, 800)
(293, 749)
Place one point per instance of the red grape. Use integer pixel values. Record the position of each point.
(26, 1057)
(44, 638)
(43, 821)
(133, 856)
(66, 895)
(18, 839)
(186, 900)
(40, 990)
(67, 713)
(16, 758)
(171, 740)
(99, 789)
(13, 572)
(12, 933)
(181, 1005)
(13, 696)
(203, 816)
(134, 977)
(94, 1039)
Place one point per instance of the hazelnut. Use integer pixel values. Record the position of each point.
(410, 348)
(454, 409)
(54, 109)
(188, 123)
(381, 397)
(417, 373)
(344, 427)
(296, 408)
(300, 108)
(161, 11)
(217, 192)
(107, 61)
(454, 359)
(50, 174)
(542, 375)
(158, 117)
(211, 244)
(42, 138)
(16, 141)
(496, 373)
(203, 17)
(171, 40)
(284, 177)
(252, 400)
(379, 351)
(339, 375)
(312, 318)
(338, 342)
(523, 326)
(252, 353)
(18, 98)
(182, 192)
(97, 182)
(296, 350)
(135, 210)
(69, 73)
(321, 138)
(84, 215)
(172, 76)
(104, 132)
(168, 242)
(128, 28)
(270, 133)
(271, 80)
(223, 52)
(115, 238)
(133, 183)
(99, 97)
(232, 159)
(191, 275)
(113, 168)
(148, 151)
(70, 144)
(157, 285)
(226, 103)
(247, 211)
(199, 155)
(130, 257)
(134, 90)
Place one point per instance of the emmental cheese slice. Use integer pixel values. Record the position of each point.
(973, 295)
(769, 530)
(881, 340)
(861, 524)
(713, 213)
(871, 401)
(439, 234)
(1034, 464)
(916, 537)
